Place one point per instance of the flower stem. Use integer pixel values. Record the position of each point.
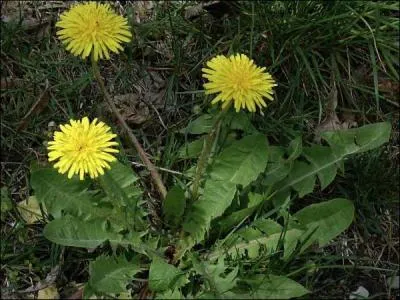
(201, 165)
(142, 154)
(205, 153)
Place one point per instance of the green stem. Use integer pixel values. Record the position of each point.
(142, 154)
(205, 153)
(201, 165)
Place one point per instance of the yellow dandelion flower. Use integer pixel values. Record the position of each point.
(93, 26)
(238, 79)
(82, 147)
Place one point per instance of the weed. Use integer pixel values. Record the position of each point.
(309, 47)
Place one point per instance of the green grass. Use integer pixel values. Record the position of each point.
(308, 46)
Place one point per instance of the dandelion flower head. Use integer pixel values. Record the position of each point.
(238, 79)
(83, 148)
(93, 26)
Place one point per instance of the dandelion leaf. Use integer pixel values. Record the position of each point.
(239, 164)
(322, 162)
(328, 219)
(122, 190)
(72, 231)
(109, 274)
(274, 287)
(60, 194)
(219, 281)
(164, 276)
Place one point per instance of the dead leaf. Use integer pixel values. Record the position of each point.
(50, 5)
(50, 292)
(43, 284)
(390, 89)
(131, 109)
(30, 210)
(196, 10)
(348, 120)
(43, 31)
(214, 8)
(152, 89)
(360, 293)
(331, 120)
(27, 23)
(136, 108)
(10, 82)
(77, 295)
(143, 11)
(25, 14)
(124, 295)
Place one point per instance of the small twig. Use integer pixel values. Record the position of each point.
(158, 168)
(142, 154)
(159, 68)
(59, 105)
(36, 108)
(157, 113)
